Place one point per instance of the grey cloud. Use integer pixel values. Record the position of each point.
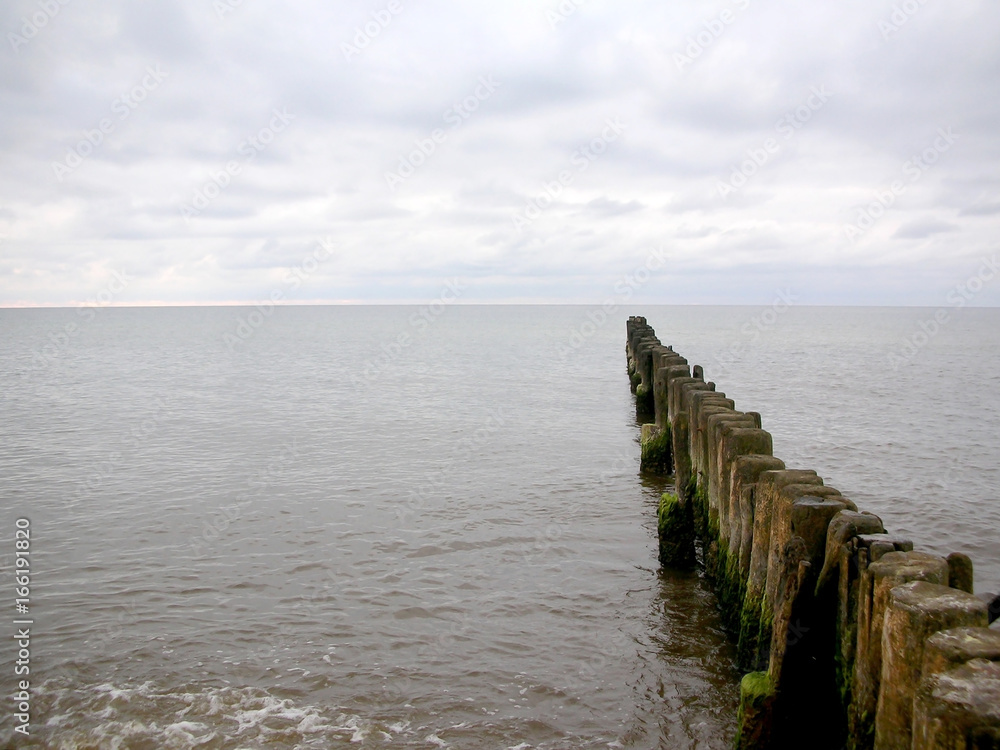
(923, 228)
(606, 207)
(984, 208)
(687, 129)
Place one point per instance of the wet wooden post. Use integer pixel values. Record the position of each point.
(915, 612)
(851, 631)
(955, 703)
(891, 570)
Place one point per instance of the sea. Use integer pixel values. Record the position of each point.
(425, 527)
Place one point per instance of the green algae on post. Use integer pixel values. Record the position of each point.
(757, 698)
(675, 529)
(656, 450)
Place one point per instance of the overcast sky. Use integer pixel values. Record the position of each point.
(178, 151)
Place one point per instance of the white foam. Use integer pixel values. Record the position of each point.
(272, 708)
(186, 726)
(206, 717)
(352, 723)
(311, 724)
(113, 692)
(188, 732)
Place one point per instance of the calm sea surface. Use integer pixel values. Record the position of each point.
(358, 527)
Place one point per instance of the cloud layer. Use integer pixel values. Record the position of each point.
(538, 151)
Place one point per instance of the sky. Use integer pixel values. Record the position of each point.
(182, 152)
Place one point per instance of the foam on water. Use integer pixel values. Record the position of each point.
(223, 716)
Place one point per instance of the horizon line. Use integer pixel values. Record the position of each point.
(423, 302)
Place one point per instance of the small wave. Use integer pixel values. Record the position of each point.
(118, 716)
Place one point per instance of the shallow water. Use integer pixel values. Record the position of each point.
(320, 538)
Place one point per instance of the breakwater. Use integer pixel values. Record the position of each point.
(849, 637)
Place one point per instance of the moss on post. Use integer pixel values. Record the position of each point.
(749, 654)
(657, 452)
(699, 505)
(675, 529)
(732, 591)
(643, 399)
(756, 708)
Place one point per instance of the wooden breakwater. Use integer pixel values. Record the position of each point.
(849, 637)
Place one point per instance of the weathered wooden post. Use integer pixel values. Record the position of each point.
(915, 612)
(855, 637)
